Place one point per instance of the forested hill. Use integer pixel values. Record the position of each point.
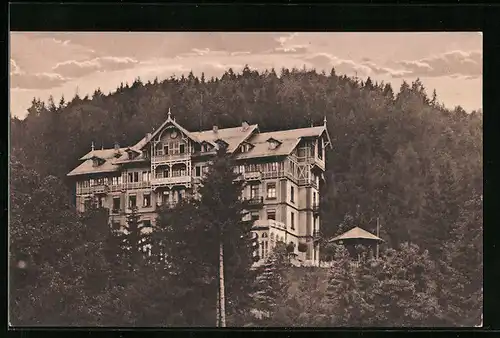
(397, 154)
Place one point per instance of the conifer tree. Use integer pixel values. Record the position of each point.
(272, 283)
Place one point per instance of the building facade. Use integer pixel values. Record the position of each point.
(283, 171)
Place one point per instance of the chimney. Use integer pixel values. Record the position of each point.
(244, 126)
(117, 146)
(216, 129)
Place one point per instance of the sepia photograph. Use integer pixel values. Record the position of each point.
(245, 179)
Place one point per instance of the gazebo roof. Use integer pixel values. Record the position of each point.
(356, 233)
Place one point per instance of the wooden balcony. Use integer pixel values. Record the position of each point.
(267, 223)
(95, 189)
(252, 176)
(170, 158)
(255, 202)
(168, 181)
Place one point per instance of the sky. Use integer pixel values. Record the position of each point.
(66, 63)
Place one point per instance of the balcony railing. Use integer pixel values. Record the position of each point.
(256, 201)
(252, 176)
(263, 223)
(137, 185)
(308, 181)
(95, 189)
(170, 157)
(171, 180)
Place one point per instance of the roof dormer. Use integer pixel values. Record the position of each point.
(246, 147)
(131, 153)
(97, 161)
(221, 144)
(206, 146)
(273, 143)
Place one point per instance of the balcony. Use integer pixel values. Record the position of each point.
(137, 185)
(95, 189)
(255, 202)
(252, 176)
(270, 223)
(184, 180)
(170, 157)
(316, 209)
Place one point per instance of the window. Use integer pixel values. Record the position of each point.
(314, 198)
(92, 182)
(271, 190)
(146, 200)
(254, 216)
(254, 191)
(146, 223)
(100, 202)
(271, 214)
(197, 171)
(165, 149)
(146, 176)
(292, 194)
(132, 201)
(114, 180)
(292, 220)
(174, 148)
(182, 148)
(320, 149)
(116, 204)
(133, 177)
(315, 220)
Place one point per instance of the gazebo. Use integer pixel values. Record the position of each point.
(357, 236)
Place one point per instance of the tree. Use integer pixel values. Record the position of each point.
(462, 268)
(216, 217)
(272, 283)
(58, 267)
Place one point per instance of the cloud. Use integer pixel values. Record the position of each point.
(36, 81)
(325, 61)
(75, 69)
(286, 47)
(378, 70)
(458, 62)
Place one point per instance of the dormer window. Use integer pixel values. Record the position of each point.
(131, 153)
(221, 143)
(273, 143)
(97, 161)
(246, 147)
(206, 147)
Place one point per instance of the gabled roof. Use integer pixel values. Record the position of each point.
(87, 167)
(233, 136)
(104, 153)
(289, 139)
(169, 120)
(356, 233)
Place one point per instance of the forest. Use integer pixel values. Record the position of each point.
(399, 156)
